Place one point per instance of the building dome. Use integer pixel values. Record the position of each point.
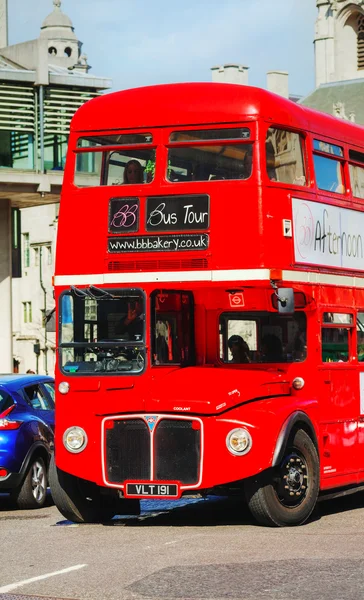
(57, 18)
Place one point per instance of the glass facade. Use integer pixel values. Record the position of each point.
(20, 126)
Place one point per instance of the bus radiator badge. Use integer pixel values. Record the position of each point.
(151, 421)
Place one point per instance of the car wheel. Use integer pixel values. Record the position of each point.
(33, 491)
(81, 501)
(287, 494)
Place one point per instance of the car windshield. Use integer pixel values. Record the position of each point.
(102, 331)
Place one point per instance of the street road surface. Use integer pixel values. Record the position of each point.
(204, 550)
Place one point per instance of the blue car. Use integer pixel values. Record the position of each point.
(26, 437)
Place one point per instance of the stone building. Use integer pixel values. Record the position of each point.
(339, 58)
(42, 83)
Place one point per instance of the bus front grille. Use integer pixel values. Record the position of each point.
(127, 450)
(176, 451)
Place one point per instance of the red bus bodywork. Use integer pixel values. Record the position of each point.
(254, 247)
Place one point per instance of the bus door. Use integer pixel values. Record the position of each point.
(338, 399)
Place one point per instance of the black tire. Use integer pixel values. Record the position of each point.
(286, 495)
(33, 491)
(81, 501)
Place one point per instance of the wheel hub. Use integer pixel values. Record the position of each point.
(38, 482)
(292, 483)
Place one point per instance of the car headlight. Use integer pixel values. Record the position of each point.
(239, 441)
(75, 439)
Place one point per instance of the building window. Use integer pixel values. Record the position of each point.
(16, 243)
(26, 247)
(36, 257)
(49, 255)
(27, 312)
(361, 42)
(17, 147)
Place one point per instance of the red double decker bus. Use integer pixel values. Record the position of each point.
(210, 296)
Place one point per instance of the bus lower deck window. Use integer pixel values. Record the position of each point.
(262, 338)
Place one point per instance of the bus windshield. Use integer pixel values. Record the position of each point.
(102, 331)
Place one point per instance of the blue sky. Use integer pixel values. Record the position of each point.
(140, 42)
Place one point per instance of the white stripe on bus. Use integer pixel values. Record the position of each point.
(238, 275)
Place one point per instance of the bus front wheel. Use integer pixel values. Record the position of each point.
(81, 501)
(286, 495)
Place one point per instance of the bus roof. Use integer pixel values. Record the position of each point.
(180, 104)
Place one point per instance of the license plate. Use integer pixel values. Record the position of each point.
(156, 490)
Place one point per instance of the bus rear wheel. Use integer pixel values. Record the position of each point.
(81, 501)
(286, 495)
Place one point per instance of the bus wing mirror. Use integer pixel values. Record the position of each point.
(285, 297)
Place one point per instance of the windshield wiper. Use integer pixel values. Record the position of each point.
(101, 293)
(78, 292)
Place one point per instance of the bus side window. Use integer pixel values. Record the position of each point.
(329, 166)
(335, 335)
(360, 336)
(284, 156)
(357, 173)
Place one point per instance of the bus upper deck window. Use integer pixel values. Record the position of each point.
(120, 139)
(284, 156)
(98, 163)
(329, 166)
(227, 158)
(124, 167)
(357, 173)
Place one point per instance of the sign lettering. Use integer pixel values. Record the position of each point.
(178, 213)
(159, 243)
(328, 235)
(152, 489)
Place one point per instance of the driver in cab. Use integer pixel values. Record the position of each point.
(132, 324)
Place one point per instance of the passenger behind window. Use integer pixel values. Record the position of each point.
(133, 172)
(239, 349)
(271, 349)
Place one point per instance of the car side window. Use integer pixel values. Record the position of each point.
(36, 397)
(5, 401)
(50, 389)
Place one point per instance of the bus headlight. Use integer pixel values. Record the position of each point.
(75, 439)
(64, 387)
(239, 441)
